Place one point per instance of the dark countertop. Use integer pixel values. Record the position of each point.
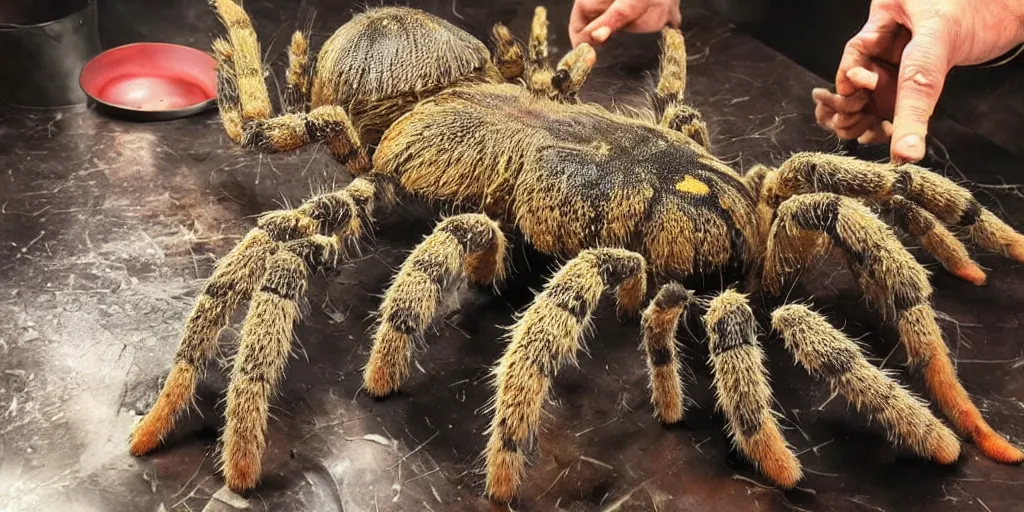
(107, 229)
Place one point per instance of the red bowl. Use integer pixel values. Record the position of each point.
(151, 81)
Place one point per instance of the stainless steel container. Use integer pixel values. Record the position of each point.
(43, 46)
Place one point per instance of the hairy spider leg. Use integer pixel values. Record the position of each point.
(227, 90)
(471, 245)
(260, 131)
(234, 279)
(545, 338)
(265, 267)
(561, 83)
(299, 76)
(571, 73)
(828, 355)
(538, 63)
(893, 282)
(755, 176)
(672, 68)
(263, 352)
(945, 200)
(742, 389)
(296, 93)
(669, 98)
(934, 237)
(508, 54)
(659, 324)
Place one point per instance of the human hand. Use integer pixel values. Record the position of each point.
(594, 21)
(892, 72)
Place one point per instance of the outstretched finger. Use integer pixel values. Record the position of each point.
(921, 76)
(618, 15)
(577, 22)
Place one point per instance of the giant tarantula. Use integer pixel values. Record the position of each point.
(619, 199)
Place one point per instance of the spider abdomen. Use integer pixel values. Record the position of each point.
(670, 205)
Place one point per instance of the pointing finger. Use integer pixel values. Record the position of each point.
(922, 73)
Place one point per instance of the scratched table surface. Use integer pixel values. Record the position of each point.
(109, 227)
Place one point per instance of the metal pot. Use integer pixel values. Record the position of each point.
(44, 45)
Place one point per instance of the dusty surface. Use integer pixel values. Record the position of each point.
(108, 228)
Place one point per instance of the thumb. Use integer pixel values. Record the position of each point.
(618, 15)
(923, 70)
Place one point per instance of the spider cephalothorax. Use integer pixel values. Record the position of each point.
(623, 200)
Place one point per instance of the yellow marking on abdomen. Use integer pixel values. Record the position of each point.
(691, 185)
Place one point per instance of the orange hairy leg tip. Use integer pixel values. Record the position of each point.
(148, 433)
(953, 399)
(383, 374)
(146, 436)
(990, 442)
(972, 274)
(502, 487)
(378, 382)
(243, 472)
(502, 473)
(997, 448)
(776, 461)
